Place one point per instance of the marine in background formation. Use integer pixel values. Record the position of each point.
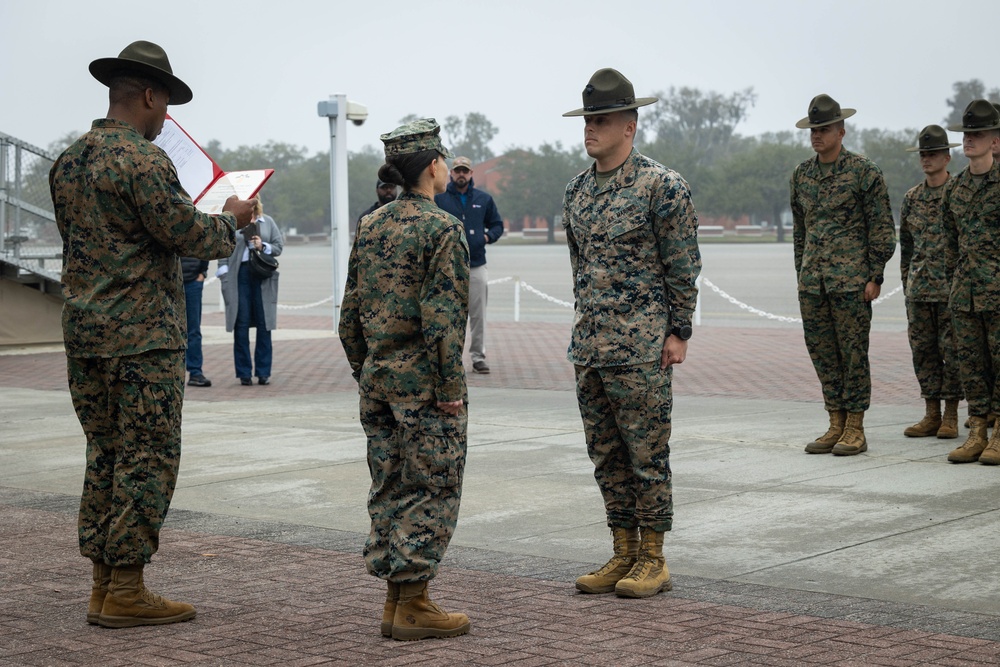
(843, 235)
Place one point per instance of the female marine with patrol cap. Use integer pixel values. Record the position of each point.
(403, 329)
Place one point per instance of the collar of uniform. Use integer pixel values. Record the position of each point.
(966, 179)
(838, 164)
(113, 123)
(623, 179)
(411, 194)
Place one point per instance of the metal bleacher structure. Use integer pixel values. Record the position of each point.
(30, 247)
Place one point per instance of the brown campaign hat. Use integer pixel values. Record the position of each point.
(979, 115)
(824, 110)
(145, 59)
(932, 138)
(609, 91)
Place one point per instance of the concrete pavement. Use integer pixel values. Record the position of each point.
(778, 557)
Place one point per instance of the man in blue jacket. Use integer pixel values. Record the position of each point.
(483, 225)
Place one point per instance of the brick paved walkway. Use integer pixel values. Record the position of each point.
(288, 594)
(745, 363)
(269, 602)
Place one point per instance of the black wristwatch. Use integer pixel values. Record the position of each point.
(683, 332)
(878, 280)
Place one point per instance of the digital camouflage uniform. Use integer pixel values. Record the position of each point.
(403, 329)
(124, 220)
(971, 218)
(843, 236)
(634, 253)
(926, 284)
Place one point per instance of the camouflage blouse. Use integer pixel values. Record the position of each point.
(406, 302)
(971, 214)
(922, 245)
(843, 230)
(124, 220)
(634, 253)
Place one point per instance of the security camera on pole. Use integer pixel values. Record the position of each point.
(339, 110)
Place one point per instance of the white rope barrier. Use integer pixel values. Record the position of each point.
(520, 284)
(772, 316)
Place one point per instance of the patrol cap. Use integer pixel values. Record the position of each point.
(145, 59)
(462, 161)
(932, 138)
(609, 91)
(824, 110)
(979, 115)
(416, 136)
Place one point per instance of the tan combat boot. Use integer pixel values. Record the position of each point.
(130, 603)
(649, 575)
(931, 422)
(603, 580)
(991, 420)
(417, 617)
(102, 578)
(949, 422)
(991, 455)
(853, 440)
(824, 443)
(389, 610)
(974, 445)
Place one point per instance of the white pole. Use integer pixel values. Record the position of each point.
(517, 298)
(339, 228)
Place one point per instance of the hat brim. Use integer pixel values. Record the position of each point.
(917, 149)
(844, 114)
(639, 102)
(105, 69)
(963, 129)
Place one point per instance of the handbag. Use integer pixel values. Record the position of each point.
(261, 264)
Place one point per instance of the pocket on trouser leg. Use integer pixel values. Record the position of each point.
(435, 455)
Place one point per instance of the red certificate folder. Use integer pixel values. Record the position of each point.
(201, 177)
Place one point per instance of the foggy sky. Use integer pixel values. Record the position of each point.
(258, 68)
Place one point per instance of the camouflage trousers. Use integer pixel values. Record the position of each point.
(626, 420)
(416, 457)
(836, 327)
(130, 411)
(933, 347)
(977, 345)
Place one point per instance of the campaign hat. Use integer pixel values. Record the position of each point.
(416, 136)
(824, 110)
(145, 59)
(932, 138)
(978, 116)
(609, 91)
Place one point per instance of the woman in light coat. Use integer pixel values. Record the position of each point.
(251, 300)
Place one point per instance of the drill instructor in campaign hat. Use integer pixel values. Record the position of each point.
(124, 219)
(632, 232)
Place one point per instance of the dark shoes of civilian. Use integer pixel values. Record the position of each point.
(264, 379)
(246, 382)
(480, 367)
(199, 381)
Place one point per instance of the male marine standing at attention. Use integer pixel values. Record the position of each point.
(633, 240)
(926, 285)
(843, 235)
(971, 219)
(124, 219)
